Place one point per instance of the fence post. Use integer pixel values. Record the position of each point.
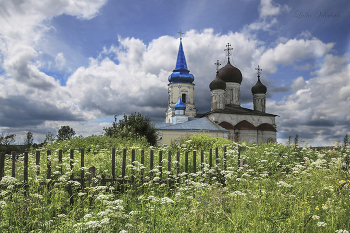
(151, 163)
(132, 168)
(217, 159)
(224, 158)
(239, 157)
(123, 170)
(2, 164)
(142, 163)
(178, 163)
(202, 160)
(37, 162)
(113, 165)
(210, 158)
(82, 166)
(160, 164)
(13, 154)
(186, 164)
(60, 160)
(25, 171)
(169, 163)
(194, 168)
(70, 191)
(48, 164)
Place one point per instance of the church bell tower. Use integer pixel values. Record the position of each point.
(180, 86)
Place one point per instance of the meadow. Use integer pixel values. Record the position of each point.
(281, 188)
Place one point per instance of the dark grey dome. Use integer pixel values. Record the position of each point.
(259, 88)
(217, 83)
(229, 73)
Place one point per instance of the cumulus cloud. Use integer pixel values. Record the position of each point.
(293, 51)
(60, 61)
(318, 108)
(269, 8)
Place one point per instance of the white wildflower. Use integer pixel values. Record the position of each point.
(315, 217)
(321, 224)
(341, 231)
(283, 184)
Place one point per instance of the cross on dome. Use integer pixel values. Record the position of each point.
(217, 65)
(258, 69)
(228, 51)
(181, 33)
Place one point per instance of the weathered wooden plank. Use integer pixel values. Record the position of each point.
(60, 161)
(160, 164)
(202, 160)
(178, 163)
(13, 154)
(113, 164)
(224, 158)
(25, 171)
(2, 165)
(194, 163)
(169, 162)
(82, 167)
(124, 163)
(151, 163)
(239, 157)
(132, 178)
(210, 158)
(48, 164)
(186, 164)
(142, 163)
(217, 159)
(37, 162)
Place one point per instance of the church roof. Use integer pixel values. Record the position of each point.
(242, 125)
(229, 73)
(193, 124)
(230, 109)
(217, 83)
(259, 88)
(180, 105)
(181, 74)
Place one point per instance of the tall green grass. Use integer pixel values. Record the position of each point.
(280, 189)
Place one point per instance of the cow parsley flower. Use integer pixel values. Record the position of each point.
(321, 224)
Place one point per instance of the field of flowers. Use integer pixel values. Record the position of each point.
(280, 189)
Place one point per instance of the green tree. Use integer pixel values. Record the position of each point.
(50, 137)
(65, 132)
(134, 126)
(28, 142)
(7, 139)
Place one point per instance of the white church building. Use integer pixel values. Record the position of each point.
(227, 119)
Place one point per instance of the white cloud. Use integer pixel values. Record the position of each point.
(319, 107)
(269, 8)
(292, 51)
(60, 61)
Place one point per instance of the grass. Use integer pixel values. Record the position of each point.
(280, 189)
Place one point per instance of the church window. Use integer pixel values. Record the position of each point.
(183, 99)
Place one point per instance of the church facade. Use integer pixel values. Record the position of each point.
(227, 119)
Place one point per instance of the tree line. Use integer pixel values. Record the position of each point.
(130, 126)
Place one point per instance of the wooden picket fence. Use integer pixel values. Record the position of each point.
(121, 181)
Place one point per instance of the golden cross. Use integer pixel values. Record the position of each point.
(181, 33)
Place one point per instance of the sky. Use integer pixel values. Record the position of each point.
(81, 62)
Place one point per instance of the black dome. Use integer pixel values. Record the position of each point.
(259, 88)
(229, 73)
(217, 83)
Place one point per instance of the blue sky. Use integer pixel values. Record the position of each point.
(78, 63)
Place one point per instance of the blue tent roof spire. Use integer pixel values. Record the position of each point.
(181, 74)
(181, 60)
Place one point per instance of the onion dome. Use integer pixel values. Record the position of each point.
(180, 105)
(217, 83)
(181, 74)
(259, 88)
(229, 73)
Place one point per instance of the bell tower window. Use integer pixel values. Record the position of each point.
(183, 99)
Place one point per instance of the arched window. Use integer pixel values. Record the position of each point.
(183, 99)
